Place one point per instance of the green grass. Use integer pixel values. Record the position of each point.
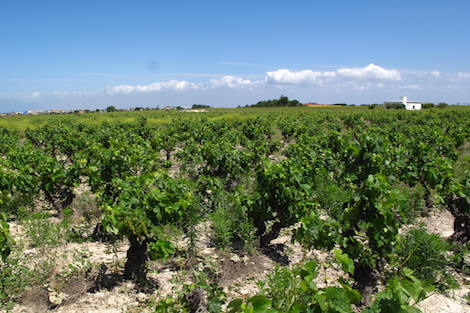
(162, 117)
(155, 117)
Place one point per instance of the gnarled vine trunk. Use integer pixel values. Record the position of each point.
(461, 228)
(197, 301)
(366, 280)
(273, 233)
(460, 209)
(60, 204)
(135, 268)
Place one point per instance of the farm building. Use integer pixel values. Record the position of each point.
(409, 105)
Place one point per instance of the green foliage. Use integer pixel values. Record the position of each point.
(366, 230)
(296, 291)
(329, 299)
(283, 287)
(393, 105)
(230, 222)
(330, 195)
(200, 106)
(442, 105)
(346, 263)
(14, 277)
(142, 210)
(399, 295)
(349, 177)
(5, 240)
(146, 203)
(160, 249)
(19, 182)
(415, 196)
(460, 260)
(255, 304)
(302, 294)
(42, 231)
(177, 302)
(283, 195)
(216, 296)
(425, 254)
(223, 227)
(16, 273)
(30, 170)
(170, 305)
(281, 102)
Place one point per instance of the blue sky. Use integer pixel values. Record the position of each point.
(91, 54)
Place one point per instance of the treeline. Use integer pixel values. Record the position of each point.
(283, 101)
(432, 105)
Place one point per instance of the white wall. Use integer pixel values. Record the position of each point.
(413, 106)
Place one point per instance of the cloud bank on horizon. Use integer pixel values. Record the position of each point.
(372, 82)
(274, 78)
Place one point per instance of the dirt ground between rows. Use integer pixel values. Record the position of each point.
(237, 275)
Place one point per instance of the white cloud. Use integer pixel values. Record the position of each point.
(182, 85)
(174, 85)
(435, 74)
(412, 86)
(420, 74)
(230, 82)
(354, 77)
(63, 94)
(306, 77)
(463, 75)
(309, 77)
(360, 85)
(451, 87)
(345, 81)
(370, 71)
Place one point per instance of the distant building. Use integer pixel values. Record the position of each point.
(34, 112)
(409, 105)
(58, 111)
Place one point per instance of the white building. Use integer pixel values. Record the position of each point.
(409, 105)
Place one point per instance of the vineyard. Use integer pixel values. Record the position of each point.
(234, 210)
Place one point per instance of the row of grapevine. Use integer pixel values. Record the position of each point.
(341, 179)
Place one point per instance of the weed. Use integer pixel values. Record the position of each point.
(415, 201)
(43, 231)
(467, 298)
(460, 258)
(16, 273)
(169, 305)
(222, 226)
(231, 226)
(283, 288)
(425, 254)
(215, 294)
(12, 281)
